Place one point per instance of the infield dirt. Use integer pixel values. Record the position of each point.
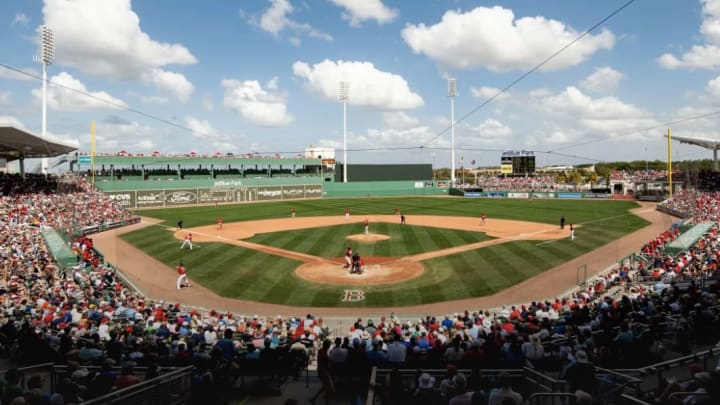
(160, 282)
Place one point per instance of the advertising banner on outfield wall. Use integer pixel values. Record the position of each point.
(149, 198)
(518, 195)
(598, 195)
(569, 195)
(313, 191)
(293, 192)
(269, 193)
(209, 195)
(125, 199)
(543, 195)
(181, 197)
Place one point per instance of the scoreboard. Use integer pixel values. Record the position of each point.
(517, 162)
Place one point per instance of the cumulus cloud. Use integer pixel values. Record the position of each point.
(209, 135)
(258, 106)
(399, 120)
(13, 75)
(104, 38)
(494, 39)
(707, 55)
(357, 11)
(602, 80)
(275, 20)
(605, 114)
(485, 93)
(10, 121)
(115, 133)
(713, 87)
(5, 97)
(367, 85)
(61, 98)
(489, 130)
(20, 19)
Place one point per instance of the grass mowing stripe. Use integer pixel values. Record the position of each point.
(247, 276)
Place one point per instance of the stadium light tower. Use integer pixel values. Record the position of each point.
(47, 49)
(344, 98)
(452, 92)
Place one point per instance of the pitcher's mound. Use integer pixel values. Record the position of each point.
(369, 238)
(375, 273)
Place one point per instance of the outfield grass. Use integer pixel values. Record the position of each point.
(404, 240)
(248, 274)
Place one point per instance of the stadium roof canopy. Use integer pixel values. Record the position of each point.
(18, 144)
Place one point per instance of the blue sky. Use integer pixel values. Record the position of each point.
(263, 76)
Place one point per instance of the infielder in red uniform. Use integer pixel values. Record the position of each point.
(182, 277)
(483, 217)
(367, 226)
(347, 213)
(187, 241)
(219, 223)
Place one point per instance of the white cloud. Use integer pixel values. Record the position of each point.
(357, 11)
(384, 138)
(170, 83)
(115, 133)
(5, 97)
(400, 120)
(367, 86)
(486, 93)
(62, 99)
(21, 19)
(275, 20)
(608, 114)
(705, 56)
(202, 130)
(12, 75)
(488, 131)
(713, 87)
(256, 105)
(272, 84)
(9, 121)
(494, 39)
(602, 80)
(154, 99)
(104, 38)
(208, 104)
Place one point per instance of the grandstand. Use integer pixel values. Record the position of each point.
(74, 329)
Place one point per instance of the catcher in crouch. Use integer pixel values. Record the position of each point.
(357, 264)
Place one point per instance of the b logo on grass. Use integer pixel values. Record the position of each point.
(354, 295)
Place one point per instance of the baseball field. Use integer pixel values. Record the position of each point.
(443, 253)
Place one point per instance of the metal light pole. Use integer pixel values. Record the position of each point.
(46, 58)
(452, 92)
(343, 98)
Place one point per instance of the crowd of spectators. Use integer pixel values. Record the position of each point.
(517, 183)
(86, 315)
(635, 176)
(702, 206)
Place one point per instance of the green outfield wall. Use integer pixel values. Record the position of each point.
(129, 183)
(385, 188)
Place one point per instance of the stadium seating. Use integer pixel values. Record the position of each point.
(84, 316)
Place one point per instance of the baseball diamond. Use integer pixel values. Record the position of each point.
(264, 259)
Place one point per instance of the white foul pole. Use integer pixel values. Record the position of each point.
(452, 92)
(343, 98)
